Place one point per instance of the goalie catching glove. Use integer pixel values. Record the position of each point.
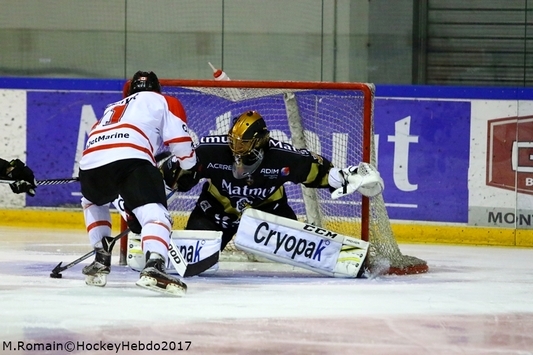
(363, 178)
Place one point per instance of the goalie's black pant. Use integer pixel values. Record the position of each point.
(207, 220)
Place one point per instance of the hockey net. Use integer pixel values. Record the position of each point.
(334, 120)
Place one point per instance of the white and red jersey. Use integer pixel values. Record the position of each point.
(135, 127)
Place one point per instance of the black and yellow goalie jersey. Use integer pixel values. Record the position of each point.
(281, 163)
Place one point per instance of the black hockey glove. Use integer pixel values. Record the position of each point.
(17, 170)
(23, 176)
(177, 178)
(21, 186)
(227, 220)
(221, 218)
(170, 169)
(187, 179)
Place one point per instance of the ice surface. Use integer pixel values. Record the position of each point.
(474, 300)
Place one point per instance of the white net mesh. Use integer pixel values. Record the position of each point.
(325, 119)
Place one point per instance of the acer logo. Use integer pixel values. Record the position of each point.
(218, 166)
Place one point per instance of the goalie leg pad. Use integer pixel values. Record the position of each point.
(135, 258)
(300, 244)
(350, 262)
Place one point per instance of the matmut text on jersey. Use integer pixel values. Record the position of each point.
(282, 163)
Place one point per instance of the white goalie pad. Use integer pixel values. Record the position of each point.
(194, 246)
(300, 244)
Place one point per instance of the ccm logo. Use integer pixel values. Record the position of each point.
(320, 231)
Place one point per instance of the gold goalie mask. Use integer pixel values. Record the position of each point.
(248, 139)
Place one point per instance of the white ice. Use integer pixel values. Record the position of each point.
(474, 300)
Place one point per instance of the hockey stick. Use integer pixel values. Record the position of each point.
(181, 266)
(194, 269)
(108, 242)
(176, 258)
(47, 181)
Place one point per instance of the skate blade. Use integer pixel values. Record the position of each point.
(171, 289)
(99, 280)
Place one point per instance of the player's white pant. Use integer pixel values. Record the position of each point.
(300, 244)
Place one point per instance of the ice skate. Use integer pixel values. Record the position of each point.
(97, 271)
(155, 278)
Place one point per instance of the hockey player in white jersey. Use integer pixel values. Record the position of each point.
(119, 159)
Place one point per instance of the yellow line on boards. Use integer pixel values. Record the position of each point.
(403, 233)
(48, 218)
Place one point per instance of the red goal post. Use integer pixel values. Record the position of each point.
(331, 119)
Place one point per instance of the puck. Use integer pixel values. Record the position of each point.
(56, 276)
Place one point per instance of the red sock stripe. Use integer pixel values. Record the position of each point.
(98, 224)
(154, 238)
(160, 224)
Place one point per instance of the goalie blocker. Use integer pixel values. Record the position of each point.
(300, 244)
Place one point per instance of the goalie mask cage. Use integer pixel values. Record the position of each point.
(334, 120)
